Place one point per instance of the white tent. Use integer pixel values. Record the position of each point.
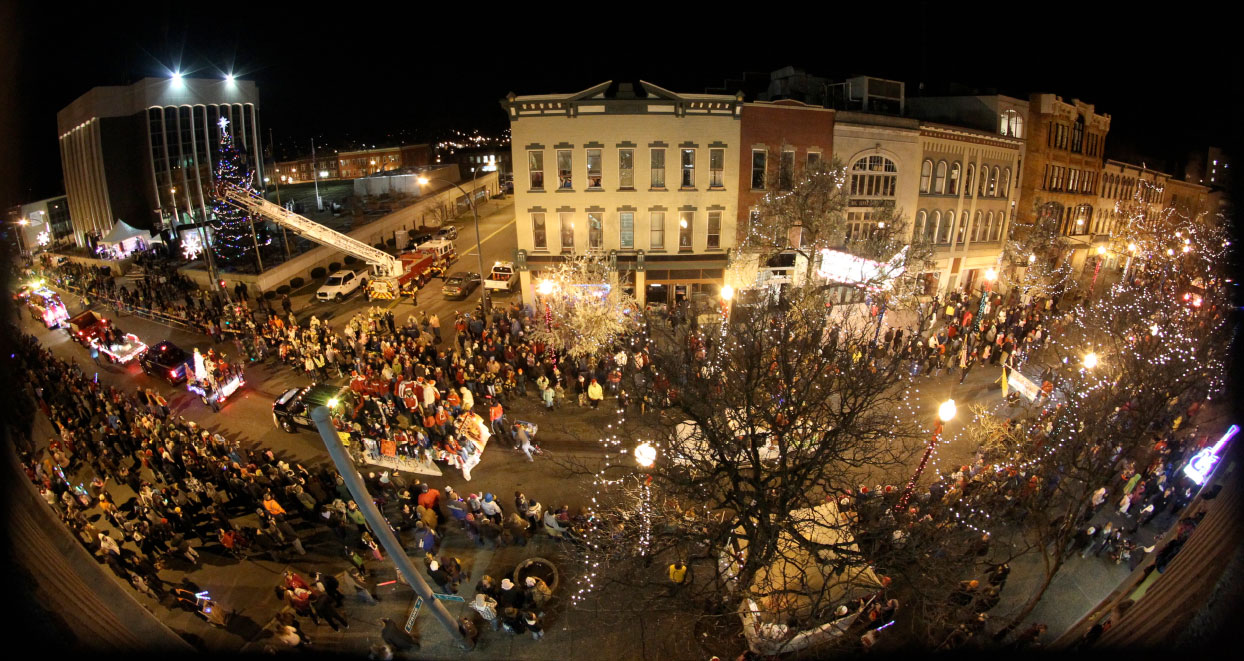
(124, 239)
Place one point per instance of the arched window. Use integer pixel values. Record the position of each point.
(999, 221)
(1017, 125)
(1006, 182)
(1011, 123)
(984, 180)
(873, 177)
(968, 190)
(962, 232)
(943, 223)
(976, 228)
(939, 178)
(922, 219)
(993, 181)
(926, 176)
(988, 233)
(952, 185)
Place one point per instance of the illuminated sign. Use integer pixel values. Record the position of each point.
(1202, 463)
(853, 270)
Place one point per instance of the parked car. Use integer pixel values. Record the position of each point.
(420, 236)
(167, 361)
(448, 233)
(293, 408)
(340, 285)
(460, 285)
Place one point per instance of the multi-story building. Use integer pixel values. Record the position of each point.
(970, 181)
(1063, 167)
(145, 153)
(300, 170)
(967, 192)
(42, 223)
(633, 171)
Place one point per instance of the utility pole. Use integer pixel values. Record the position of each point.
(277, 181)
(315, 177)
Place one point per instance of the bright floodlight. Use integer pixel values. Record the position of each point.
(947, 410)
(423, 181)
(177, 78)
(991, 274)
(229, 78)
(727, 293)
(645, 455)
(23, 222)
(545, 287)
(1032, 258)
(332, 403)
(1131, 247)
(1101, 250)
(1090, 361)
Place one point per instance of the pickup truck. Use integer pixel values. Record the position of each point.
(340, 285)
(502, 278)
(85, 327)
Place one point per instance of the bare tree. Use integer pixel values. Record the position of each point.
(584, 314)
(1037, 253)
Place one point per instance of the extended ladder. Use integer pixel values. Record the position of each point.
(385, 265)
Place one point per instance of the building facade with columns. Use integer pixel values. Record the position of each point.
(145, 153)
(968, 190)
(632, 171)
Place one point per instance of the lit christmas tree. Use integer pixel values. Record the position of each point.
(231, 227)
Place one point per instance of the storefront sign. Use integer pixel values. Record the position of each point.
(853, 270)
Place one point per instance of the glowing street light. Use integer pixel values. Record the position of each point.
(945, 413)
(229, 78)
(991, 274)
(1101, 250)
(1090, 360)
(645, 455)
(545, 287)
(1032, 258)
(727, 293)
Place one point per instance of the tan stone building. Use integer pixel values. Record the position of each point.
(641, 174)
(1063, 167)
(968, 190)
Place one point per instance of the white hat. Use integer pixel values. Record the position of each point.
(434, 565)
(531, 581)
(506, 584)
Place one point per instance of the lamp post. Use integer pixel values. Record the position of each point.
(945, 413)
(646, 457)
(1101, 256)
(485, 299)
(1091, 360)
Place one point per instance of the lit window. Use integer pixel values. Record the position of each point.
(539, 238)
(626, 168)
(565, 160)
(716, 168)
(686, 225)
(656, 221)
(952, 184)
(535, 168)
(595, 230)
(593, 168)
(626, 230)
(688, 168)
(658, 168)
(939, 178)
(926, 176)
(714, 230)
(567, 231)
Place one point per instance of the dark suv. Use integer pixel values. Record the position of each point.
(167, 361)
(293, 408)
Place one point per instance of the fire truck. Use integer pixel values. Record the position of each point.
(390, 275)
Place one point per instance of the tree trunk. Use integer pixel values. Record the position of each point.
(1036, 597)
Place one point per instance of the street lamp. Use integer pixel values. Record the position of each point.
(645, 455)
(484, 297)
(21, 239)
(945, 413)
(1101, 257)
(1090, 360)
(545, 289)
(727, 295)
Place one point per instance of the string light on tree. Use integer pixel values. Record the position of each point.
(234, 235)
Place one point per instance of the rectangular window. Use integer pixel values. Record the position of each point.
(564, 162)
(595, 230)
(626, 169)
(716, 168)
(786, 176)
(686, 225)
(567, 231)
(688, 168)
(626, 230)
(714, 230)
(658, 168)
(813, 159)
(593, 168)
(656, 222)
(535, 168)
(539, 238)
(759, 156)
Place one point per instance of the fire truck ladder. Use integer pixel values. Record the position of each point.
(384, 264)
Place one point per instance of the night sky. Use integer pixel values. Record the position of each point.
(366, 72)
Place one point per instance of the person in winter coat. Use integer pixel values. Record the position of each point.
(595, 394)
(396, 637)
(486, 606)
